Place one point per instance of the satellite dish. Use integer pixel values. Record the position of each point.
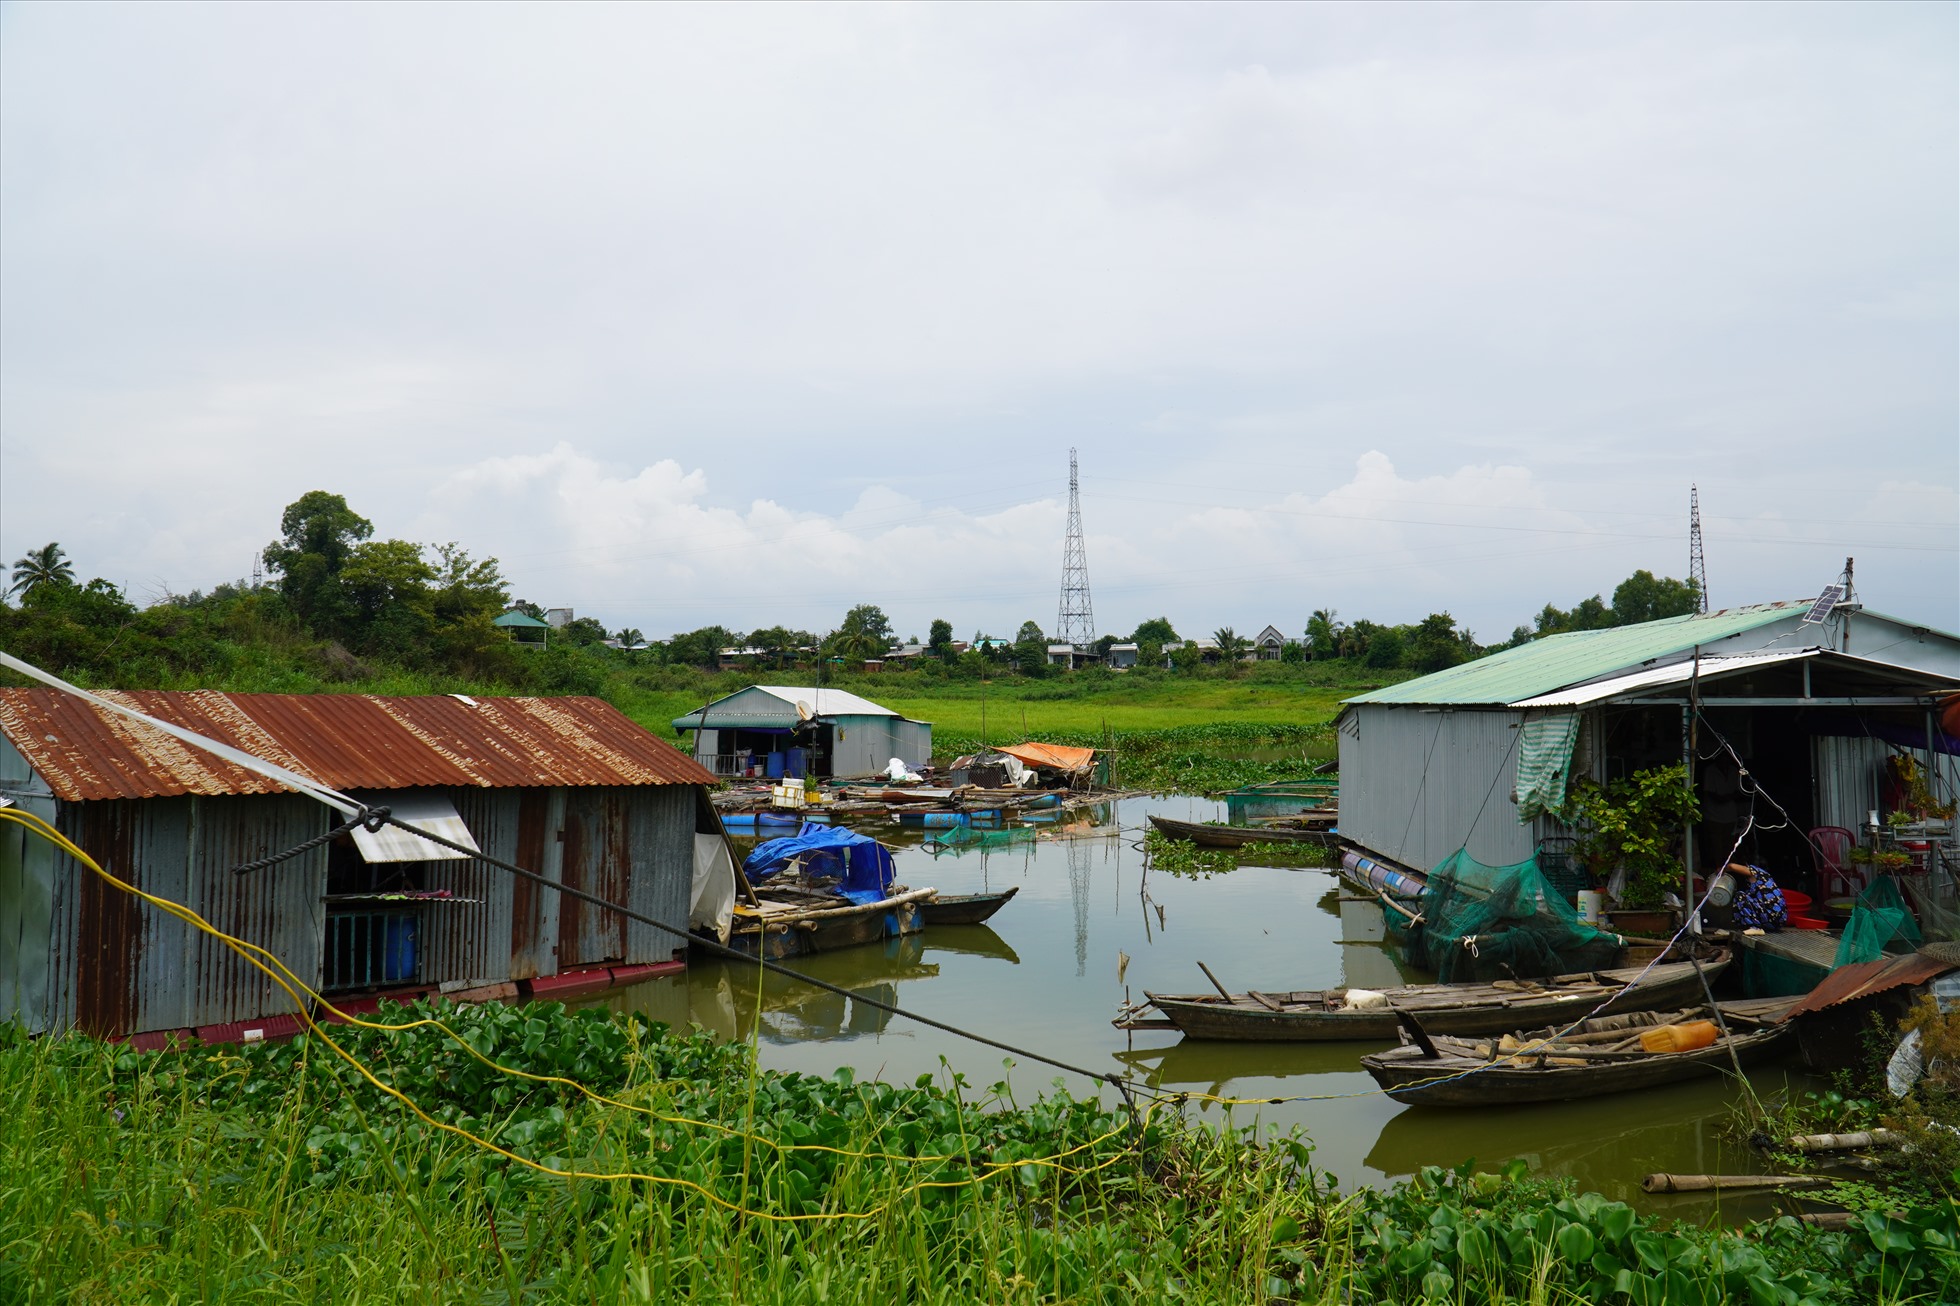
(803, 712)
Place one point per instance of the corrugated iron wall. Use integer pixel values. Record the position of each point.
(1416, 784)
(634, 846)
(29, 942)
(469, 941)
(1849, 771)
(126, 967)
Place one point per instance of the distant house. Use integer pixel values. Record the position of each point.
(523, 627)
(568, 787)
(1072, 656)
(1268, 645)
(793, 730)
(1122, 657)
(1207, 650)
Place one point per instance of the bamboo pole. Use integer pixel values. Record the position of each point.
(1843, 1142)
(1702, 1183)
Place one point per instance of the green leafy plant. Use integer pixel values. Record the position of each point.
(1637, 823)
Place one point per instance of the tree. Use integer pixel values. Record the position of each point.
(1232, 646)
(46, 565)
(1434, 644)
(939, 640)
(865, 634)
(1029, 633)
(1643, 597)
(318, 532)
(1385, 646)
(1323, 635)
(384, 592)
(701, 648)
(1030, 648)
(780, 644)
(629, 637)
(1157, 630)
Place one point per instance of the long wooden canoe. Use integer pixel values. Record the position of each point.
(1235, 836)
(1489, 1072)
(964, 908)
(1324, 1015)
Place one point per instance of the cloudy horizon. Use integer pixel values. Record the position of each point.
(704, 315)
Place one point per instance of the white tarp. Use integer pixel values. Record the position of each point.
(714, 886)
(424, 809)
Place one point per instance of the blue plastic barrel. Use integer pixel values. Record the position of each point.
(398, 950)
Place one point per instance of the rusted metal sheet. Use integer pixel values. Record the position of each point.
(470, 939)
(1865, 978)
(634, 847)
(346, 741)
(136, 968)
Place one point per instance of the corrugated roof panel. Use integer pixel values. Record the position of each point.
(1674, 673)
(1864, 978)
(773, 707)
(344, 741)
(1557, 661)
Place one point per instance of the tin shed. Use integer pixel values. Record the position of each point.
(1459, 758)
(778, 730)
(568, 787)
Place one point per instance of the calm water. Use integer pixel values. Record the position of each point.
(1043, 974)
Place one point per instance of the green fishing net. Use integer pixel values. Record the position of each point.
(1482, 923)
(1880, 918)
(964, 838)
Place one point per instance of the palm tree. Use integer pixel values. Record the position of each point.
(1231, 644)
(43, 566)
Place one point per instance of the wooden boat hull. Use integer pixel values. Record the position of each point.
(964, 908)
(829, 930)
(1439, 1008)
(1236, 836)
(1458, 1077)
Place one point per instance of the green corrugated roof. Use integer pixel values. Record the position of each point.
(1556, 661)
(521, 620)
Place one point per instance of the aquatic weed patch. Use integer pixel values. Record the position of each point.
(269, 1174)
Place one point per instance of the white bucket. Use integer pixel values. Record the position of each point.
(1592, 903)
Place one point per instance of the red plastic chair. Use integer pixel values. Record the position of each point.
(1837, 875)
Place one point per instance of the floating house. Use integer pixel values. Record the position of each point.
(1813, 698)
(568, 787)
(794, 730)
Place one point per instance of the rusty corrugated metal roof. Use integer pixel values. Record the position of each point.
(1864, 978)
(344, 741)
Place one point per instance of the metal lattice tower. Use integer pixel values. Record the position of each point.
(1697, 565)
(1075, 619)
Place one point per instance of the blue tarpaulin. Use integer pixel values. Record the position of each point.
(861, 863)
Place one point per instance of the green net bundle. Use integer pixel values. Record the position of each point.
(1482, 923)
(1880, 919)
(964, 838)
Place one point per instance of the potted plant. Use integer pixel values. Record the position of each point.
(1637, 826)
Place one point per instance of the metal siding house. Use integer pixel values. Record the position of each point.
(795, 730)
(1431, 765)
(568, 787)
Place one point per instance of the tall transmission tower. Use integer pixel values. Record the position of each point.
(1075, 619)
(1697, 565)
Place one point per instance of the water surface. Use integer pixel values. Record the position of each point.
(1044, 974)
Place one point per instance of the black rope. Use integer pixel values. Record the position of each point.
(1120, 1083)
(368, 818)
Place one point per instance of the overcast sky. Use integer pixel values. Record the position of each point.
(748, 313)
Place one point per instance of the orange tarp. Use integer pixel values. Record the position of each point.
(1055, 757)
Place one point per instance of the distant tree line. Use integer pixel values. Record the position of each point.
(342, 605)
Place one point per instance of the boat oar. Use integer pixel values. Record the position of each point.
(1416, 1032)
(1214, 982)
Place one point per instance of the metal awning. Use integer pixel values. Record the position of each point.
(423, 809)
(1734, 664)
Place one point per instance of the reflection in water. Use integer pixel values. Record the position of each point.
(1078, 888)
(970, 941)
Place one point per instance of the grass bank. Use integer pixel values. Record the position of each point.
(281, 1174)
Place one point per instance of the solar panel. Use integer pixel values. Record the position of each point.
(1830, 598)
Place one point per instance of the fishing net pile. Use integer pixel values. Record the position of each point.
(965, 838)
(1880, 920)
(1480, 923)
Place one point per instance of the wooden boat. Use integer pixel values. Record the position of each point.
(1235, 836)
(1598, 1058)
(1323, 1016)
(783, 926)
(964, 908)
